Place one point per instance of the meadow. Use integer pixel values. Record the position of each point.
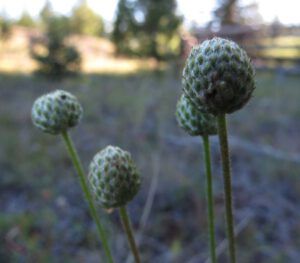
(43, 215)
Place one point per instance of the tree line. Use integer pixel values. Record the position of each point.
(143, 28)
(82, 20)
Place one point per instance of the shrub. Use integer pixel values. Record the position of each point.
(55, 57)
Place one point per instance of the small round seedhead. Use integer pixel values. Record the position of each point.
(194, 121)
(56, 112)
(218, 76)
(113, 177)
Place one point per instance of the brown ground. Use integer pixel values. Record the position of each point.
(98, 54)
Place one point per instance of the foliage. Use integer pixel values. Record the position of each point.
(46, 13)
(226, 12)
(147, 28)
(26, 20)
(232, 12)
(85, 21)
(123, 26)
(58, 59)
(5, 27)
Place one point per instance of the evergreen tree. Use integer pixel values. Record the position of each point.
(26, 20)
(46, 13)
(147, 28)
(226, 13)
(5, 27)
(123, 27)
(85, 21)
(232, 12)
(59, 59)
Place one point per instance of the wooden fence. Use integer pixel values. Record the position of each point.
(266, 49)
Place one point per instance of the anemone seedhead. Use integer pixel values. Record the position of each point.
(56, 112)
(194, 121)
(218, 76)
(113, 177)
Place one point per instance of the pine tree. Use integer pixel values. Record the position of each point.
(226, 13)
(26, 20)
(5, 27)
(123, 27)
(59, 59)
(85, 21)
(147, 28)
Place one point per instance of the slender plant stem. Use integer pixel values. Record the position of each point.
(128, 230)
(78, 166)
(223, 138)
(210, 202)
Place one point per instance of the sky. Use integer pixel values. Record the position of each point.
(199, 11)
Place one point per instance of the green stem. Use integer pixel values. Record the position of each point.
(210, 202)
(128, 230)
(223, 138)
(78, 166)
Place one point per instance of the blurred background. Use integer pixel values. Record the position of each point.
(123, 59)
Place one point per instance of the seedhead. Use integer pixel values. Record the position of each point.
(194, 121)
(113, 177)
(56, 112)
(218, 76)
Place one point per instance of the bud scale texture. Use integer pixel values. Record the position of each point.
(194, 121)
(56, 112)
(113, 177)
(218, 76)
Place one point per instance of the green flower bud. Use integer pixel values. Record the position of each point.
(56, 112)
(194, 121)
(218, 76)
(113, 177)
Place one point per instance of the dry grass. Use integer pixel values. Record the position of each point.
(98, 55)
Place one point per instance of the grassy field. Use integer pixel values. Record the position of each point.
(43, 216)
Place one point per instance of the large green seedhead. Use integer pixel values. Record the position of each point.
(113, 177)
(193, 121)
(56, 112)
(218, 76)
